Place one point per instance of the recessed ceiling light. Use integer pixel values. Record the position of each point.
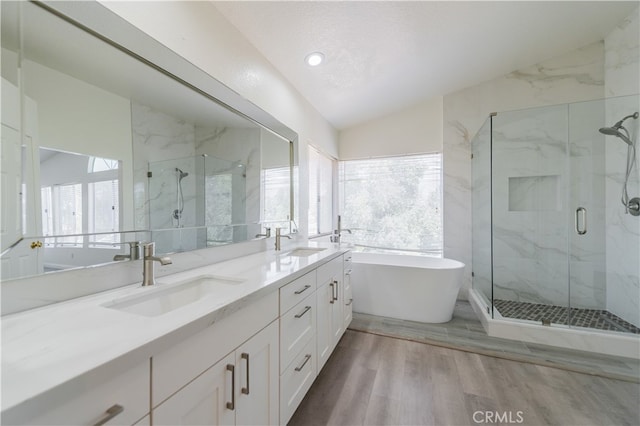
(314, 59)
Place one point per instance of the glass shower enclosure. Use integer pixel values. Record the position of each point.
(553, 242)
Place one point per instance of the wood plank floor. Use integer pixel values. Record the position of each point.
(378, 380)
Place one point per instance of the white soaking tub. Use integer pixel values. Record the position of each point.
(414, 288)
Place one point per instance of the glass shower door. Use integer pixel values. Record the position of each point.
(604, 242)
(530, 185)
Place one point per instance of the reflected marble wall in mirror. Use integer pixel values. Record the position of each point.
(190, 171)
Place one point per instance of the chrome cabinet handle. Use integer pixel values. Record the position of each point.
(336, 290)
(301, 314)
(350, 302)
(110, 414)
(246, 357)
(305, 288)
(307, 357)
(582, 210)
(331, 299)
(232, 405)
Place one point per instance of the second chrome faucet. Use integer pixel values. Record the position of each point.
(148, 265)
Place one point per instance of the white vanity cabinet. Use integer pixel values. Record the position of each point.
(330, 301)
(122, 399)
(298, 366)
(226, 374)
(240, 389)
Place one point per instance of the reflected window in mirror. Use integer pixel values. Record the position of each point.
(80, 194)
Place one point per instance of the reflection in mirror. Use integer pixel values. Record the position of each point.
(167, 157)
(38, 255)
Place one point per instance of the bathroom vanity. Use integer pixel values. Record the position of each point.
(237, 342)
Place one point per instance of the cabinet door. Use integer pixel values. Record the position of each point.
(337, 320)
(257, 379)
(207, 400)
(324, 332)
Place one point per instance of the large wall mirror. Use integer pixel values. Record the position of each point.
(102, 146)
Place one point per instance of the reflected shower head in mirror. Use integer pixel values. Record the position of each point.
(615, 129)
(182, 174)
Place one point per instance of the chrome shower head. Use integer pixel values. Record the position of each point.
(615, 129)
(182, 174)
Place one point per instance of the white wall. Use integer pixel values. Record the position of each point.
(74, 116)
(200, 33)
(413, 130)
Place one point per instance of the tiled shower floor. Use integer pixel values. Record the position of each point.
(591, 318)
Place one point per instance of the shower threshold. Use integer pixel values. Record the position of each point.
(576, 317)
(610, 342)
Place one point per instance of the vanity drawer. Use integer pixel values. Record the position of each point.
(296, 381)
(297, 327)
(87, 401)
(292, 293)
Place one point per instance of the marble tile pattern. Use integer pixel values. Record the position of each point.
(575, 76)
(158, 137)
(238, 146)
(622, 68)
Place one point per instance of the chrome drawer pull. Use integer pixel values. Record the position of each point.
(301, 314)
(305, 288)
(350, 302)
(349, 271)
(307, 357)
(110, 414)
(246, 390)
(232, 405)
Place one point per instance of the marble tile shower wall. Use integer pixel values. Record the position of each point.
(159, 137)
(575, 76)
(238, 146)
(622, 68)
(541, 156)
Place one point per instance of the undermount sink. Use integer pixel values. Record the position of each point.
(161, 301)
(305, 251)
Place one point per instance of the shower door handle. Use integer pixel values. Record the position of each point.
(581, 211)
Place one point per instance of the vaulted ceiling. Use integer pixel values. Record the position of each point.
(382, 56)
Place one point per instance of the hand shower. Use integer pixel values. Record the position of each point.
(618, 130)
(177, 213)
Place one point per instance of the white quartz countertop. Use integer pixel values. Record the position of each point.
(47, 347)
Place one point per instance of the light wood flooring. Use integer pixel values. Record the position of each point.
(465, 332)
(377, 380)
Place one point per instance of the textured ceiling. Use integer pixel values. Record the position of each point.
(386, 55)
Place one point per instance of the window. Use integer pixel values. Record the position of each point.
(320, 193)
(393, 203)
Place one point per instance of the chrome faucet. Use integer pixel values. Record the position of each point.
(279, 236)
(148, 266)
(267, 233)
(337, 233)
(135, 252)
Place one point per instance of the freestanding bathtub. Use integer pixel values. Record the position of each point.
(415, 288)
